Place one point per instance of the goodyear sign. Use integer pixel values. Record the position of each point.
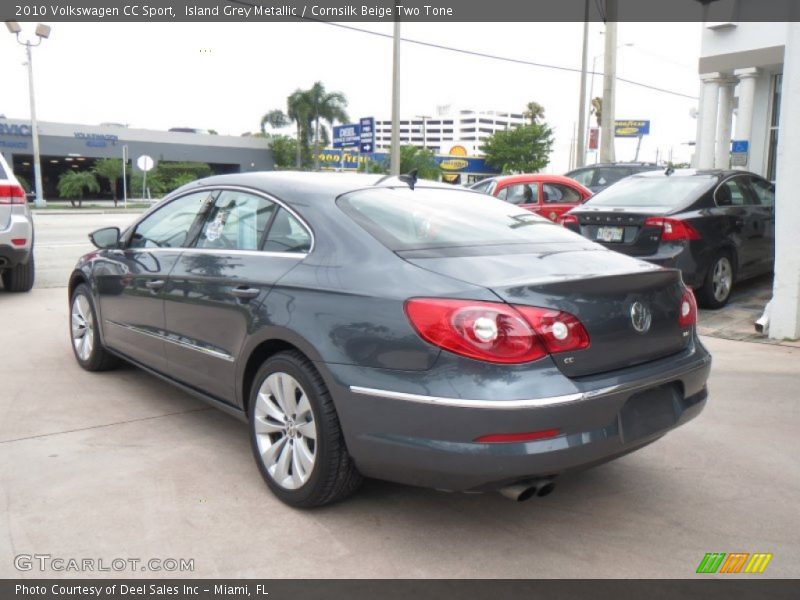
(631, 128)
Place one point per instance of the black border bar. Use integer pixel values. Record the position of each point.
(439, 11)
(732, 588)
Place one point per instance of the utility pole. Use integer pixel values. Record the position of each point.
(42, 33)
(609, 84)
(580, 158)
(394, 162)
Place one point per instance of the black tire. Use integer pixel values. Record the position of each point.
(98, 358)
(20, 278)
(333, 475)
(706, 296)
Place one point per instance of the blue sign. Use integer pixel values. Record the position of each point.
(346, 136)
(10, 129)
(631, 128)
(740, 146)
(449, 165)
(367, 143)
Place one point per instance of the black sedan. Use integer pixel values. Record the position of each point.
(717, 227)
(419, 333)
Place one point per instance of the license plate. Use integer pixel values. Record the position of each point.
(609, 234)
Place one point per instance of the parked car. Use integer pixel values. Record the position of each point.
(16, 233)
(717, 227)
(599, 176)
(547, 195)
(414, 332)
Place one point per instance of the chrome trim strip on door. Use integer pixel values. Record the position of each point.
(224, 251)
(178, 342)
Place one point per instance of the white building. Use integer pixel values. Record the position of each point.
(448, 126)
(750, 90)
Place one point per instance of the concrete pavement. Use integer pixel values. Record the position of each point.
(120, 464)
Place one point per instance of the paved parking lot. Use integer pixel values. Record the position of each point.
(122, 465)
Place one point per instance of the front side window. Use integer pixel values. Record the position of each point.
(764, 190)
(287, 234)
(521, 193)
(237, 221)
(169, 226)
(555, 193)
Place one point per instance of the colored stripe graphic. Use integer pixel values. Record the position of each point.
(711, 562)
(758, 562)
(734, 562)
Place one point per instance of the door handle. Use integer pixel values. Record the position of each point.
(154, 284)
(245, 293)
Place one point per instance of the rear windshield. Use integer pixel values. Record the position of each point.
(425, 218)
(653, 191)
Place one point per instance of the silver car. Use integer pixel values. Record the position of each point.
(16, 233)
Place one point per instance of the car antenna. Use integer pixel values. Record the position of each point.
(410, 178)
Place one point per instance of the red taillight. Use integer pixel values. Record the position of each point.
(568, 220)
(559, 331)
(687, 316)
(11, 194)
(493, 331)
(673, 230)
(18, 241)
(506, 438)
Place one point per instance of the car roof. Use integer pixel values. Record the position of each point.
(535, 178)
(718, 173)
(291, 185)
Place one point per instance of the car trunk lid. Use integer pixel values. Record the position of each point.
(623, 230)
(611, 294)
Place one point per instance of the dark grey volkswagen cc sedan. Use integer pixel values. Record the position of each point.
(422, 333)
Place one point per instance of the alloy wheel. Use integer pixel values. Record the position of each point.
(82, 327)
(722, 279)
(285, 430)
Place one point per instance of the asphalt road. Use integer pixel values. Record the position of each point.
(62, 238)
(122, 465)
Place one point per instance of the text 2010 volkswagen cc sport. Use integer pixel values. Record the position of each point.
(413, 332)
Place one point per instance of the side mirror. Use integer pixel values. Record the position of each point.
(105, 238)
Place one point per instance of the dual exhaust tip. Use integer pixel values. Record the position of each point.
(525, 490)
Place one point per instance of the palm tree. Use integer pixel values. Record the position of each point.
(327, 106)
(72, 185)
(275, 118)
(299, 111)
(534, 111)
(109, 169)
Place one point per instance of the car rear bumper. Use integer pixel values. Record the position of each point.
(18, 227)
(428, 440)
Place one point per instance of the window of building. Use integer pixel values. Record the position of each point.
(772, 156)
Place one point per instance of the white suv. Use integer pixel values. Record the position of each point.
(16, 233)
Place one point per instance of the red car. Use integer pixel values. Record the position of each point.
(547, 195)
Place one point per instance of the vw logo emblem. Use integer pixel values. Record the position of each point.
(641, 318)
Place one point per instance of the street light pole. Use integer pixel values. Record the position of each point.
(394, 162)
(580, 153)
(609, 85)
(42, 32)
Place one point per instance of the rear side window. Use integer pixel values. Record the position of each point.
(555, 193)
(287, 234)
(236, 221)
(426, 218)
(734, 192)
